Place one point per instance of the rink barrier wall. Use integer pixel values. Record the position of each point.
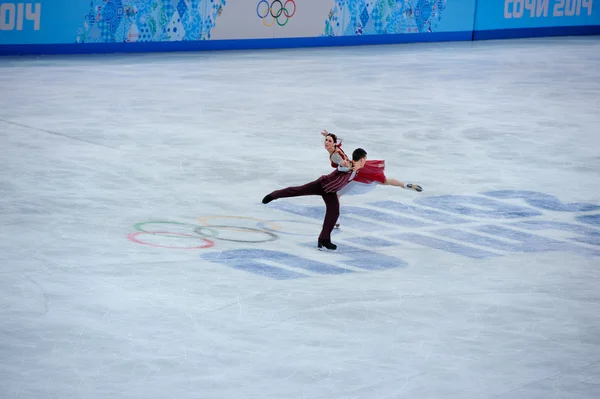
(248, 44)
(116, 26)
(499, 34)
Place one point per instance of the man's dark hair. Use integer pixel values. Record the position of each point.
(358, 154)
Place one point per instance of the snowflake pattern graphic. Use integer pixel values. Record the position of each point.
(112, 21)
(380, 17)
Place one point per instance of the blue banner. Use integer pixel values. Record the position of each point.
(152, 21)
(41, 21)
(517, 14)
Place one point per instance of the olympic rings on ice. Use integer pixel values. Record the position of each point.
(242, 229)
(270, 236)
(266, 227)
(276, 9)
(204, 220)
(142, 230)
(134, 237)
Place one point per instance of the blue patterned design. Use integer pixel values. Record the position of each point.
(193, 24)
(364, 16)
(109, 21)
(182, 8)
(423, 13)
(384, 17)
(377, 22)
(168, 8)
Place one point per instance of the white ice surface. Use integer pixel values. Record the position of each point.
(93, 145)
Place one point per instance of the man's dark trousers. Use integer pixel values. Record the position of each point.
(332, 204)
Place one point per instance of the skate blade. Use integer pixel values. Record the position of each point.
(326, 249)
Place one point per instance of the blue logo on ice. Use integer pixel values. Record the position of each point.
(497, 223)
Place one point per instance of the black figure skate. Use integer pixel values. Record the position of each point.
(327, 244)
(415, 187)
(268, 198)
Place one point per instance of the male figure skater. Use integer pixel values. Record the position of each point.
(327, 187)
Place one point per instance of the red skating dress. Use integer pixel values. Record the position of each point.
(372, 172)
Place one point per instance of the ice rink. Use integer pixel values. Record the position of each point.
(137, 260)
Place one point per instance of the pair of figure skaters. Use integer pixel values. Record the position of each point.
(357, 175)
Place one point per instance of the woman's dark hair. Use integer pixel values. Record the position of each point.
(333, 136)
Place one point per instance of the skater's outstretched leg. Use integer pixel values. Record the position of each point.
(332, 207)
(312, 188)
(398, 183)
(393, 182)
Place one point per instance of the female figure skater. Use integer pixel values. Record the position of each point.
(371, 174)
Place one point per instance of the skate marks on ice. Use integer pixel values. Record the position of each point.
(493, 224)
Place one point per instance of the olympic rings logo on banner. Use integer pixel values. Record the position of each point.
(177, 235)
(276, 9)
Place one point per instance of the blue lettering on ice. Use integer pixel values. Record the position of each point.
(590, 219)
(256, 261)
(542, 201)
(590, 235)
(318, 213)
(428, 214)
(478, 206)
(588, 240)
(532, 243)
(372, 242)
(516, 241)
(384, 217)
(364, 259)
(444, 245)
